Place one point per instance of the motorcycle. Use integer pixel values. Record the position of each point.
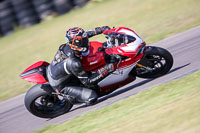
(133, 60)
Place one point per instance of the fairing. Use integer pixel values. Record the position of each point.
(94, 58)
(130, 49)
(35, 65)
(118, 76)
(35, 73)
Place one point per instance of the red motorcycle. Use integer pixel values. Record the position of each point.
(134, 59)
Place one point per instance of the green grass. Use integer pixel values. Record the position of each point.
(153, 20)
(169, 108)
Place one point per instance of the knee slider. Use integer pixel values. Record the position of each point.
(89, 96)
(84, 95)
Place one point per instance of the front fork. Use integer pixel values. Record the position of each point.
(147, 69)
(142, 66)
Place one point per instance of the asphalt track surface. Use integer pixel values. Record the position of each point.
(185, 48)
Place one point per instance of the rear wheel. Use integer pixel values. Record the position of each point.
(155, 63)
(40, 101)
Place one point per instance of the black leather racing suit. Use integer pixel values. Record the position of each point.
(66, 67)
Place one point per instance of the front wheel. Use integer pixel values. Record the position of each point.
(41, 102)
(156, 62)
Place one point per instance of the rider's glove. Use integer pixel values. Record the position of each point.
(109, 68)
(99, 30)
(104, 28)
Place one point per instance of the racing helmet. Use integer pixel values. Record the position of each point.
(77, 39)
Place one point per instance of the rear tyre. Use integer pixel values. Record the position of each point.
(40, 101)
(159, 60)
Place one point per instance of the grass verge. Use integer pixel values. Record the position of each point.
(153, 20)
(169, 108)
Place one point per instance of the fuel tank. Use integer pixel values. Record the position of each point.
(94, 58)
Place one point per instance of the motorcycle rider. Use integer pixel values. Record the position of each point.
(66, 66)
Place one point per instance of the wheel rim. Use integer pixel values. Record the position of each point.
(155, 62)
(49, 105)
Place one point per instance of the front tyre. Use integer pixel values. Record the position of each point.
(40, 101)
(158, 62)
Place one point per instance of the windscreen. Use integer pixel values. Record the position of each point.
(118, 39)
